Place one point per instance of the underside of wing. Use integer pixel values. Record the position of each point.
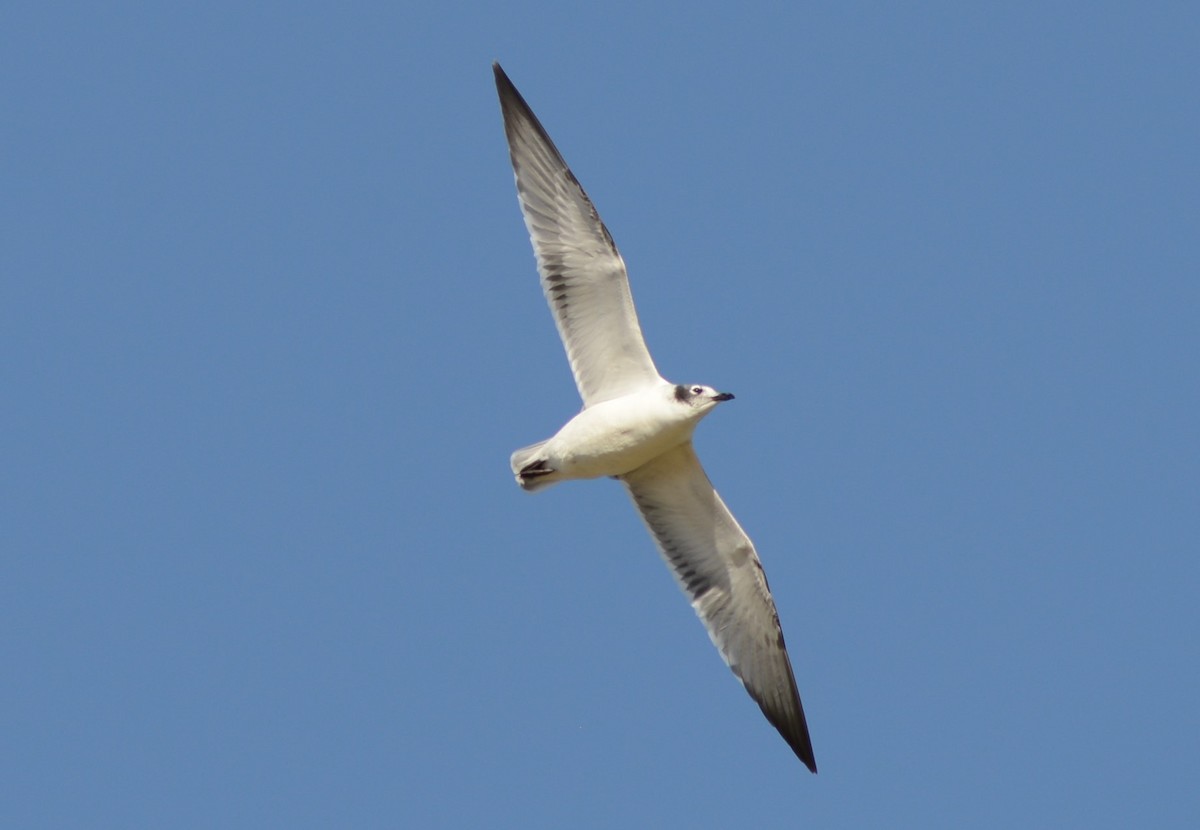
(583, 275)
(717, 567)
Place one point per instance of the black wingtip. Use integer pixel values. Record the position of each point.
(510, 99)
(798, 739)
(785, 712)
(808, 759)
(503, 84)
(788, 719)
(516, 110)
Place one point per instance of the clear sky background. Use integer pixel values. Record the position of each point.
(270, 328)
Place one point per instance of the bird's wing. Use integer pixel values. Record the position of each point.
(716, 566)
(583, 275)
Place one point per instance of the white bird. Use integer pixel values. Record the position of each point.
(637, 427)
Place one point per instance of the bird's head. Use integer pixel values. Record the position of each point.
(698, 397)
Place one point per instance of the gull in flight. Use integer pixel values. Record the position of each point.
(637, 427)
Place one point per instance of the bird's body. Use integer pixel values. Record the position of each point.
(637, 427)
(614, 437)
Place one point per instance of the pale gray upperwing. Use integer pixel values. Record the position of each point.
(717, 567)
(583, 275)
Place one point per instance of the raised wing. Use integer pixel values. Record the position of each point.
(583, 275)
(716, 566)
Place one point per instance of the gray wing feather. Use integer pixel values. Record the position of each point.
(583, 275)
(716, 565)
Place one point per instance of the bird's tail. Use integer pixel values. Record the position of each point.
(532, 469)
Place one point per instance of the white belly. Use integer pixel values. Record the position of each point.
(615, 437)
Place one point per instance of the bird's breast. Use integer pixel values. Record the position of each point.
(615, 437)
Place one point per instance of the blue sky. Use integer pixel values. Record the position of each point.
(270, 329)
